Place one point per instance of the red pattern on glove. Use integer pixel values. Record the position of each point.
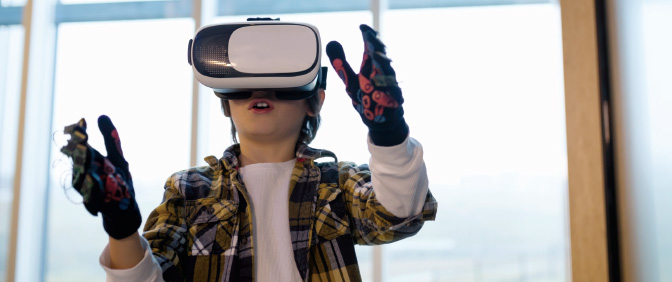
(105, 183)
(374, 91)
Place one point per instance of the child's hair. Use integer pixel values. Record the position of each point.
(308, 129)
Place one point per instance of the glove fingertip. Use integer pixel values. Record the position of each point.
(369, 34)
(105, 124)
(112, 142)
(108, 130)
(82, 123)
(366, 28)
(335, 50)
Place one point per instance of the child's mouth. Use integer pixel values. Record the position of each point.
(260, 106)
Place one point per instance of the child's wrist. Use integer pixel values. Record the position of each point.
(120, 224)
(391, 135)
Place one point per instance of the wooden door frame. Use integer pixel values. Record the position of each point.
(592, 210)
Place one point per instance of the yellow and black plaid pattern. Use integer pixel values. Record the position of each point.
(202, 231)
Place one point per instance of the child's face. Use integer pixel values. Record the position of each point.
(264, 118)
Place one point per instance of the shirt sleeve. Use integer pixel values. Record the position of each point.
(147, 270)
(166, 229)
(398, 205)
(399, 177)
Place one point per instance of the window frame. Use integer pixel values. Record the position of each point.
(584, 118)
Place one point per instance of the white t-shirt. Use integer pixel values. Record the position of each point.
(267, 186)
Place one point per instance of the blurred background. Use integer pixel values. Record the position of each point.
(483, 88)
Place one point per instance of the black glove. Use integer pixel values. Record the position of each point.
(374, 91)
(104, 182)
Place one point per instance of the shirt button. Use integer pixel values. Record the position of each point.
(244, 241)
(211, 210)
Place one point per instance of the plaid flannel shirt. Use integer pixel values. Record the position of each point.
(202, 231)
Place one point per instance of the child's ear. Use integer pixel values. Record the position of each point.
(322, 95)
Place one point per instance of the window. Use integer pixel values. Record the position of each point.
(484, 95)
(11, 54)
(643, 136)
(136, 73)
(267, 7)
(657, 59)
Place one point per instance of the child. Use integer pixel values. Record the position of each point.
(266, 210)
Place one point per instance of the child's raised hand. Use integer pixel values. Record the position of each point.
(104, 182)
(374, 91)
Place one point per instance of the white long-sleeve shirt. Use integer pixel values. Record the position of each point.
(393, 170)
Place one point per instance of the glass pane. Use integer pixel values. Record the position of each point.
(658, 69)
(342, 27)
(12, 3)
(137, 73)
(403, 4)
(11, 56)
(262, 8)
(642, 67)
(485, 98)
(101, 1)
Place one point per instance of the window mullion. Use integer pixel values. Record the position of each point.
(31, 176)
(378, 8)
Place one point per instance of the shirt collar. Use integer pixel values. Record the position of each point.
(230, 158)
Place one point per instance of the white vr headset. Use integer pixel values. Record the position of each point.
(235, 59)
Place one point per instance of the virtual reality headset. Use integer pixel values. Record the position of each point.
(235, 59)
